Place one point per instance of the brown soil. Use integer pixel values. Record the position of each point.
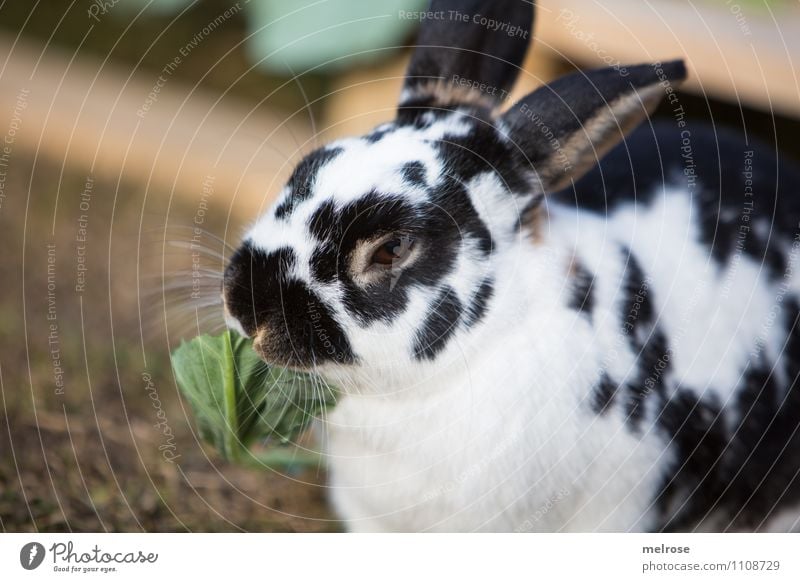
(89, 457)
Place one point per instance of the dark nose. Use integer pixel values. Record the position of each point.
(289, 322)
(251, 282)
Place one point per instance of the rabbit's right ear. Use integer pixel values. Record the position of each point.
(467, 52)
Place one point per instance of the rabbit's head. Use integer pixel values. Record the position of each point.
(380, 252)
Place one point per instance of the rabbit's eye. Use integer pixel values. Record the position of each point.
(392, 252)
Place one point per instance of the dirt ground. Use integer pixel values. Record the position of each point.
(94, 435)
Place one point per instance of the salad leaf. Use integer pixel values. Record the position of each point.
(239, 400)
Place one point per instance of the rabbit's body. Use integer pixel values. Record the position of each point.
(525, 339)
(615, 346)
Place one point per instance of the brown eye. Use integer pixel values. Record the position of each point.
(392, 252)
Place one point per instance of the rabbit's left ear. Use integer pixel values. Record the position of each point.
(467, 52)
(564, 128)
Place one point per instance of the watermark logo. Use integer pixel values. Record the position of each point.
(100, 7)
(31, 555)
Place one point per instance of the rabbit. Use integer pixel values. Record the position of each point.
(552, 315)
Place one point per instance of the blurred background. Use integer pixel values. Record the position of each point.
(139, 138)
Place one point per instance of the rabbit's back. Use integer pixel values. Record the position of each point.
(687, 244)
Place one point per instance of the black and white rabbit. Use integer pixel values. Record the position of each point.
(537, 324)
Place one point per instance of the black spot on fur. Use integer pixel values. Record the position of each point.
(638, 314)
(647, 341)
(757, 444)
(603, 395)
(479, 304)
(420, 113)
(765, 461)
(734, 239)
(378, 134)
(697, 436)
(582, 294)
(324, 262)
(414, 173)
(454, 207)
(654, 364)
(439, 326)
(776, 262)
(749, 473)
(322, 223)
(303, 330)
(301, 182)
(791, 354)
(483, 150)
(338, 232)
(738, 478)
(324, 226)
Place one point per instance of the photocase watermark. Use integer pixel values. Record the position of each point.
(543, 510)
(100, 8)
(195, 245)
(10, 137)
(570, 21)
(173, 65)
(168, 448)
(490, 24)
(82, 235)
(69, 560)
(53, 336)
(31, 555)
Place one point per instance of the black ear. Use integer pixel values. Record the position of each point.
(564, 128)
(467, 51)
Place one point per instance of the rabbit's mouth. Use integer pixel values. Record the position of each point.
(262, 342)
(265, 345)
(277, 349)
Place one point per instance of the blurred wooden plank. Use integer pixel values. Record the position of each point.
(734, 52)
(93, 115)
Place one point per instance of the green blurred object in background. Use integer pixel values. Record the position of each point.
(153, 6)
(291, 36)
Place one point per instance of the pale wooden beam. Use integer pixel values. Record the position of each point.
(98, 118)
(734, 51)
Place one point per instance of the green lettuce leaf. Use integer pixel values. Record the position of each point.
(240, 401)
